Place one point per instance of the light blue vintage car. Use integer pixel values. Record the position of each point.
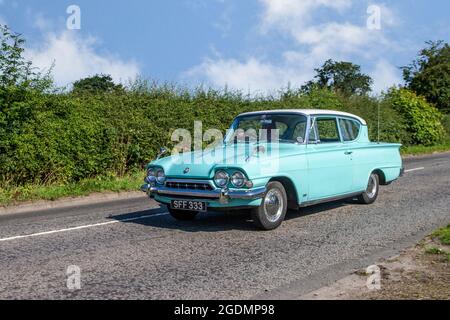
(271, 161)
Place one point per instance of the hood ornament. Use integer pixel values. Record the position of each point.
(162, 152)
(186, 171)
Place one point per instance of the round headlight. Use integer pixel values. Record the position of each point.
(160, 176)
(238, 179)
(221, 179)
(151, 175)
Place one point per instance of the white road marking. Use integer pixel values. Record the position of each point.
(111, 222)
(415, 169)
(81, 227)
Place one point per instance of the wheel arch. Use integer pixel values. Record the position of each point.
(291, 191)
(381, 176)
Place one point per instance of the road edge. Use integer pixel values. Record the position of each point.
(68, 202)
(297, 290)
(100, 197)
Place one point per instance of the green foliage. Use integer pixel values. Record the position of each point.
(84, 187)
(61, 138)
(423, 121)
(443, 235)
(96, 84)
(421, 150)
(343, 77)
(434, 251)
(446, 124)
(429, 74)
(15, 70)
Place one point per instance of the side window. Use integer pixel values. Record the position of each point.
(328, 130)
(299, 132)
(349, 129)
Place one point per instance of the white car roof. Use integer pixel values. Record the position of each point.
(309, 112)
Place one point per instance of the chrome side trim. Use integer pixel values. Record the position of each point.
(331, 199)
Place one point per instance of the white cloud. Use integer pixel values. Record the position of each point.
(252, 75)
(41, 22)
(296, 12)
(385, 75)
(74, 57)
(312, 45)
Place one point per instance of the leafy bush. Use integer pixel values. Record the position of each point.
(446, 124)
(423, 121)
(66, 137)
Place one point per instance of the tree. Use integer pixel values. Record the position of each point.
(343, 77)
(96, 84)
(15, 70)
(429, 74)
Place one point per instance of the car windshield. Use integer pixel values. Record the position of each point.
(282, 128)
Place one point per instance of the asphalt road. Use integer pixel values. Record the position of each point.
(133, 249)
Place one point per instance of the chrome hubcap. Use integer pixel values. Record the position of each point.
(372, 187)
(273, 205)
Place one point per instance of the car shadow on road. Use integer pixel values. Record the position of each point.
(215, 221)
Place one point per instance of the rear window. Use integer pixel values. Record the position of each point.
(349, 129)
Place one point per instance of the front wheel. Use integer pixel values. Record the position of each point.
(371, 194)
(182, 215)
(272, 211)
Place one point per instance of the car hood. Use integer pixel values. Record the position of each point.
(248, 157)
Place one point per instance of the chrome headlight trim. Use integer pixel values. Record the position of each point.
(160, 176)
(238, 179)
(151, 175)
(221, 178)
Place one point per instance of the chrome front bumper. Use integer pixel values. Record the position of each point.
(222, 195)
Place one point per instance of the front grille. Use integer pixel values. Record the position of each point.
(189, 186)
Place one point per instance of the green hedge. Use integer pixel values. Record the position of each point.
(423, 121)
(48, 138)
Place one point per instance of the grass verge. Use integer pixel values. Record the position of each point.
(14, 195)
(422, 150)
(443, 235)
(421, 272)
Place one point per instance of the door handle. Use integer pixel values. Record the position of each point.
(348, 153)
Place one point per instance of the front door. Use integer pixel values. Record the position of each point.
(330, 170)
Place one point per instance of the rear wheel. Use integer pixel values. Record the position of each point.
(272, 211)
(373, 187)
(182, 215)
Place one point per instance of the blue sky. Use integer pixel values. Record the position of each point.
(252, 45)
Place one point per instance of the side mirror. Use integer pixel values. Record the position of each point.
(162, 151)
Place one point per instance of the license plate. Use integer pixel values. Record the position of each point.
(188, 205)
